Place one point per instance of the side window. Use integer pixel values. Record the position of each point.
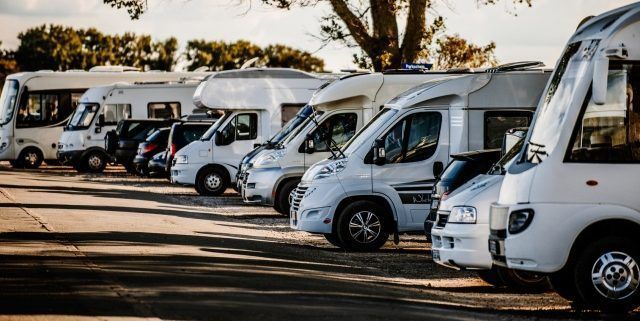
(340, 128)
(46, 108)
(113, 113)
(413, 139)
(611, 132)
(164, 110)
(496, 124)
(241, 127)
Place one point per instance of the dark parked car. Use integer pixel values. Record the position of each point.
(154, 144)
(158, 164)
(122, 143)
(461, 169)
(182, 134)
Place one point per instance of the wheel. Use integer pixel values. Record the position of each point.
(362, 226)
(30, 158)
(94, 162)
(333, 239)
(211, 182)
(491, 276)
(563, 282)
(520, 280)
(282, 203)
(607, 275)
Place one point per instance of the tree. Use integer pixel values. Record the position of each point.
(220, 55)
(453, 52)
(371, 25)
(8, 64)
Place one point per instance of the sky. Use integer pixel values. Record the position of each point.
(521, 33)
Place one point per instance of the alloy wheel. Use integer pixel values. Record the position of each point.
(615, 275)
(364, 227)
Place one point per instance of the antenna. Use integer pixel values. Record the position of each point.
(249, 62)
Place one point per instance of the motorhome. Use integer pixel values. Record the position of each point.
(257, 102)
(567, 206)
(380, 182)
(82, 144)
(340, 109)
(461, 230)
(34, 107)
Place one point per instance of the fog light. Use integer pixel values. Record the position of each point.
(519, 220)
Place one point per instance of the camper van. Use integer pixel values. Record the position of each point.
(340, 109)
(257, 102)
(568, 205)
(82, 144)
(34, 107)
(380, 182)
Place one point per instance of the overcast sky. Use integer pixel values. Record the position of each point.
(536, 33)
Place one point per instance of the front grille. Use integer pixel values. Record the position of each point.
(498, 216)
(442, 218)
(296, 197)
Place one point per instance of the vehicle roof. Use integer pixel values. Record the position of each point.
(478, 155)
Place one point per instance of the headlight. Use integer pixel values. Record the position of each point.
(519, 220)
(331, 169)
(269, 160)
(181, 159)
(463, 215)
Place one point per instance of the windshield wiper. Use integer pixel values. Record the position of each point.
(331, 142)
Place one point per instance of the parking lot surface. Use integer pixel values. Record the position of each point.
(114, 246)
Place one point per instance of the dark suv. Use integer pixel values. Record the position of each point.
(122, 143)
(154, 144)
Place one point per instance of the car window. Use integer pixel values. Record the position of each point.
(413, 139)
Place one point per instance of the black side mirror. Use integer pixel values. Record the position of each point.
(438, 167)
(218, 138)
(309, 145)
(379, 153)
(99, 124)
(256, 145)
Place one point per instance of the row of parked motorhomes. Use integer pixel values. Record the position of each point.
(523, 174)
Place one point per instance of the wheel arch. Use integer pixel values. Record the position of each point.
(27, 147)
(214, 166)
(389, 213)
(607, 227)
(94, 149)
(281, 181)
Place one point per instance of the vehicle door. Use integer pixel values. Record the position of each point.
(110, 116)
(331, 133)
(416, 148)
(236, 138)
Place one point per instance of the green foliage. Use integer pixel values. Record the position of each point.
(220, 55)
(61, 48)
(455, 52)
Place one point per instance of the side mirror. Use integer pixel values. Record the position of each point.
(438, 167)
(379, 153)
(218, 139)
(256, 145)
(309, 145)
(100, 122)
(600, 77)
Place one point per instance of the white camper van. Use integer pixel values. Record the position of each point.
(257, 102)
(341, 108)
(100, 108)
(34, 106)
(381, 182)
(568, 205)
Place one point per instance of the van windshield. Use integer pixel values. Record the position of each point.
(369, 129)
(8, 100)
(83, 116)
(212, 130)
(292, 124)
(560, 93)
(308, 122)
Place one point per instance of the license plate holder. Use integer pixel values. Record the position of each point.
(435, 254)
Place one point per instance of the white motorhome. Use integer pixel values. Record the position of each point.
(341, 108)
(567, 205)
(257, 102)
(381, 182)
(34, 107)
(82, 143)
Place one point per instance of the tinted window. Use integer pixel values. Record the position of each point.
(186, 134)
(339, 128)
(164, 110)
(496, 124)
(138, 130)
(413, 139)
(46, 108)
(159, 136)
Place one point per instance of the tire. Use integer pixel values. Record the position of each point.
(333, 239)
(211, 182)
(615, 260)
(351, 234)
(491, 276)
(30, 157)
(523, 280)
(282, 203)
(563, 282)
(93, 162)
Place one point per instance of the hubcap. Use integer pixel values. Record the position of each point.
(31, 158)
(615, 275)
(95, 161)
(364, 227)
(212, 181)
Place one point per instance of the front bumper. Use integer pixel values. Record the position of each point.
(140, 163)
(314, 205)
(69, 157)
(461, 246)
(259, 185)
(184, 174)
(125, 156)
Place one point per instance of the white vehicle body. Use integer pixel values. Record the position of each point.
(254, 99)
(574, 186)
(452, 115)
(101, 108)
(344, 107)
(36, 105)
